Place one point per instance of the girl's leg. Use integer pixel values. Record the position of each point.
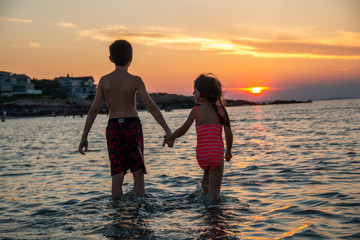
(205, 182)
(116, 189)
(139, 183)
(215, 179)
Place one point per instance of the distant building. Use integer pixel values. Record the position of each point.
(80, 87)
(16, 84)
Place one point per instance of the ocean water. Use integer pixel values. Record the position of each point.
(295, 174)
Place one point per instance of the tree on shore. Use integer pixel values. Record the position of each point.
(49, 87)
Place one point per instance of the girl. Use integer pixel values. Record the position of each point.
(210, 118)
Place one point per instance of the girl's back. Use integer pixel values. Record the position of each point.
(207, 115)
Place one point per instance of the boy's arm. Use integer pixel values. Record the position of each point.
(184, 128)
(93, 112)
(152, 107)
(229, 142)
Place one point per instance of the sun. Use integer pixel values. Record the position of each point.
(256, 90)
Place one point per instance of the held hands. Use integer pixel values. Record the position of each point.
(167, 141)
(83, 144)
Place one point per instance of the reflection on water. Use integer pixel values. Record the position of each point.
(294, 175)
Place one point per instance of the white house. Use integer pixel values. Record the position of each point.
(80, 87)
(16, 84)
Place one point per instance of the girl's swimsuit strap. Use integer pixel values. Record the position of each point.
(220, 114)
(199, 115)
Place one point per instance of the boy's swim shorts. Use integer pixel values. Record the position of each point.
(125, 145)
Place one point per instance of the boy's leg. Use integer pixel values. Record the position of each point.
(215, 179)
(139, 183)
(205, 182)
(117, 181)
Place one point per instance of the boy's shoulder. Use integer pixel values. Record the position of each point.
(111, 76)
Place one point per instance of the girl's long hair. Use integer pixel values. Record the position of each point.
(210, 89)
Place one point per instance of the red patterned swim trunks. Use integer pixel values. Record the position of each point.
(125, 145)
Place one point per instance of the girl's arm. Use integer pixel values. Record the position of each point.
(229, 141)
(184, 128)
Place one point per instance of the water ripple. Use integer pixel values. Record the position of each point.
(294, 175)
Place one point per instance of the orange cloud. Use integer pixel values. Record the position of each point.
(298, 49)
(281, 45)
(16, 20)
(34, 44)
(67, 25)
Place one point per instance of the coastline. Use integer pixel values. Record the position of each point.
(51, 106)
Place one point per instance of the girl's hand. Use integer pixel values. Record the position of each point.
(83, 144)
(228, 156)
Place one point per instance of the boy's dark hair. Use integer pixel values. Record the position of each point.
(210, 89)
(120, 52)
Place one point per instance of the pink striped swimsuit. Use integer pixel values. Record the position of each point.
(210, 145)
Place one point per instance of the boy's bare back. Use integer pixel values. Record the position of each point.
(119, 89)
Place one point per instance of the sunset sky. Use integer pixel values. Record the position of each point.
(295, 49)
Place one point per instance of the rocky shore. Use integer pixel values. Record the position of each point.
(42, 106)
(45, 107)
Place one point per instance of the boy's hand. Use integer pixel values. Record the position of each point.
(83, 144)
(228, 156)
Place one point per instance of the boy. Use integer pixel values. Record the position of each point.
(124, 131)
